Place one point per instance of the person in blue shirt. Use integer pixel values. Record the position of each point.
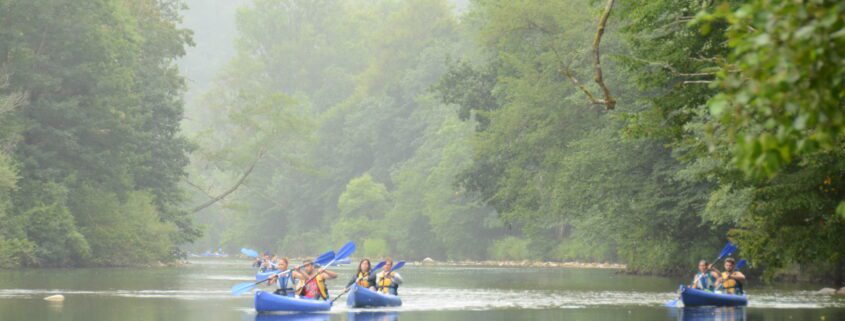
(705, 279)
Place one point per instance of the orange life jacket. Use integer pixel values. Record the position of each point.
(364, 279)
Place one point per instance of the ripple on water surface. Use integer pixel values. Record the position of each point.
(432, 299)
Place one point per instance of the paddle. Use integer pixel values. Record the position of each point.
(241, 288)
(728, 249)
(373, 270)
(343, 253)
(249, 252)
(741, 264)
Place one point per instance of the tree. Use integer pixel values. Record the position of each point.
(103, 111)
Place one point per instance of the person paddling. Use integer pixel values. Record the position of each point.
(388, 281)
(705, 278)
(283, 281)
(731, 280)
(315, 282)
(363, 277)
(265, 264)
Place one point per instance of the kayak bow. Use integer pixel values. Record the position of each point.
(269, 302)
(363, 297)
(695, 298)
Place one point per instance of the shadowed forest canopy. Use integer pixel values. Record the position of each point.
(425, 128)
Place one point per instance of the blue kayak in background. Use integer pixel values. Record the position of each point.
(696, 298)
(362, 297)
(269, 302)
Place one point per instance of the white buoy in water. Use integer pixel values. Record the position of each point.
(55, 298)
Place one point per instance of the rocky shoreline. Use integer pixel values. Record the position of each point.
(832, 291)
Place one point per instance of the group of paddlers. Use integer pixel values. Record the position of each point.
(711, 279)
(309, 281)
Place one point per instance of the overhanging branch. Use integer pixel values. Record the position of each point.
(608, 102)
(234, 187)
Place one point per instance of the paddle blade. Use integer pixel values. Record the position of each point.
(727, 250)
(242, 288)
(741, 264)
(324, 258)
(249, 252)
(345, 251)
(378, 266)
(398, 266)
(672, 303)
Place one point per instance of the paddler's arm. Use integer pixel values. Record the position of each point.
(714, 274)
(397, 279)
(738, 276)
(719, 281)
(295, 273)
(328, 275)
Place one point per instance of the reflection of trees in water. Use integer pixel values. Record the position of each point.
(712, 314)
(353, 316)
(293, 317)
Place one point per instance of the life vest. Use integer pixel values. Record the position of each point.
(315, 289)
(731, 286)
(703, 281)
(364, 279)
(282, 283)
(385, 285)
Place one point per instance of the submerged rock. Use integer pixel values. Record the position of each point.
(55, 298)
(428, 260)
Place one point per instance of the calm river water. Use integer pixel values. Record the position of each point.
(200, 291)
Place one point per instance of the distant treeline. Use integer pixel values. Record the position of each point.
(90, 150)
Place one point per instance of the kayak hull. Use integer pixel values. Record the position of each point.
(269, 302)
(697, 298)
(362, 297)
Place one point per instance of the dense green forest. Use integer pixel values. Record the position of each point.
(92, 157)
(640, 132)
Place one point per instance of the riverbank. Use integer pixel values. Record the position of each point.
(522, 263)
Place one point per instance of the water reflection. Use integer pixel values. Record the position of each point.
(353, 316)
(711, 314)
(293, 317)
(373, 316)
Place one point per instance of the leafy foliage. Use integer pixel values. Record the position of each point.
(102, 114)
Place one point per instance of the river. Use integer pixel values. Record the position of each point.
(200, 291)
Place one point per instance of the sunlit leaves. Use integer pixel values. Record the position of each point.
(785, 81)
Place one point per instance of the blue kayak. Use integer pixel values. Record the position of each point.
(264, 275)
(269, 302)
(363, 297)
(696, 298)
